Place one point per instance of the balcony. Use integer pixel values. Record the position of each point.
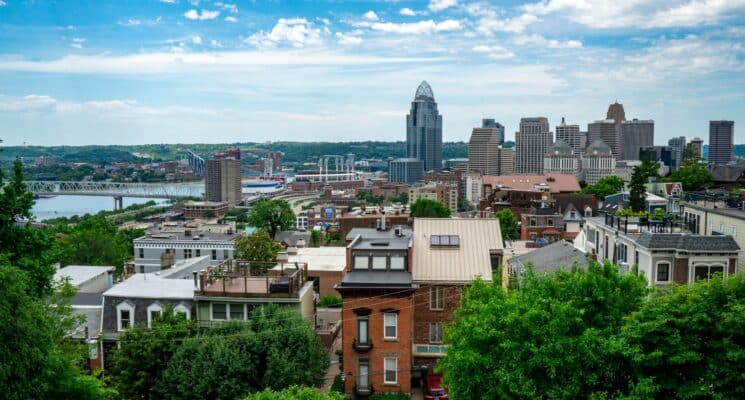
(362, 347)
(241, 278)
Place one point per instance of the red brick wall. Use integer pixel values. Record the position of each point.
(400, 348)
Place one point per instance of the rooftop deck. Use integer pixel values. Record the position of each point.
(241, 278)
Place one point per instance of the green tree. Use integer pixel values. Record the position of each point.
(606, 186)
(138, 365)
(639, 177)
(690, 343)
(258, 246)
(426, 208)
(692, 174)
(295, 393)
(553, 338)
(39, 362)
(507, 224)
(272, 216)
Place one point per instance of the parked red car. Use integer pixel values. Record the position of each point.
(434, 389)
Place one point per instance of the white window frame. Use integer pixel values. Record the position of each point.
(182, 309)
(153, 307)
(386, 325)
(395, 370)
(438, 292)
(669, 271)
(212, 312)
(125, 305)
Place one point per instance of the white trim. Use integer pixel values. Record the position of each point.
(124, 305)
(385, 370)
(153, 307)
(181, 308)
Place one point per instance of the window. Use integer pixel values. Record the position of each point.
(183, 310)
(363, 375)
(363, 325)
(663, 272)
(361, 262)
(705, 272)
(214, 254)
(397, 263)
(153, 311)
(187, 253)
(219, 311)
(379, 262)
(142, 252)
(390, 324)
(199, 252)
(435, 332)
(391, 373)
(435, 298)
(125, 312)
(236, 311)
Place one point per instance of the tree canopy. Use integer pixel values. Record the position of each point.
(272, 216)
(258, 246)
(508, 224)
(427, 208)
(606, 186)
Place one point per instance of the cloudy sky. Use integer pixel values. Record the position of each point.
(175, 71)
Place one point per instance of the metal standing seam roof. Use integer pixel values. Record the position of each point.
(459, 264)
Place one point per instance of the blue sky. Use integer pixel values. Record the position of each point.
(182, 71)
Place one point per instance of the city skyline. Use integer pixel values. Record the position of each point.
(185, 71)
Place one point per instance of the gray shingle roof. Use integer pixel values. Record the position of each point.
(688, 242)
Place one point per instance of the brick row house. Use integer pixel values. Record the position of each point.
(400, 288)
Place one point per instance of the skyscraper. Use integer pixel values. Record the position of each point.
(721, 143)
(678, 146)
(531, 143)
(222, 180)
(635, 134)
(609, 132)
(424, 129)
(483, 147)
(570, 135)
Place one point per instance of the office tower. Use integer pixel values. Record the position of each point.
(598, 162)
(616, 113)
(506, 161)
(560, 158)
(405, 170)
(222, 181)
(678, 146)
(531, 143)
(571, 135)
(721, 143)
(484, 146)
(490, 123)
(697, 147)
(424, 129)
(635, 134)
(607, 131)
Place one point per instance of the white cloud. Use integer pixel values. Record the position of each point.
(417, 28)
(371, 16)
(203, 15)
(407, 12)
(231, 18)
(494, 52)
(297, 32)
(196, 39)
(439, 5)
(539, 40)
(640, 13)
(347, 38)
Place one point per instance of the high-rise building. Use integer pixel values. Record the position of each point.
(721, 141)
(635, 134)
(570, 135)
(560, 158)
(609, 132)
(531, 143)
(424, 129)
(697, 147)
(598, 162)
(678, 146)
(484, 146)
(616, 113)
(222, 180)
(404, 170)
